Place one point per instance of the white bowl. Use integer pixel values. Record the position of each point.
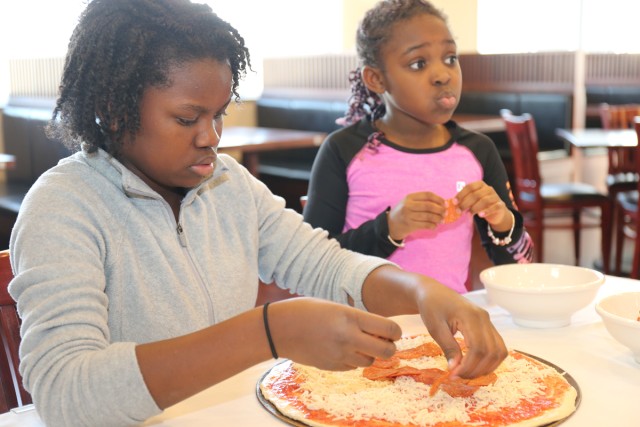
(620, 316)
(541, 295)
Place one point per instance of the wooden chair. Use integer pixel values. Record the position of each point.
(628, 221)
(12, 392)
(622, 174)
(537, 200)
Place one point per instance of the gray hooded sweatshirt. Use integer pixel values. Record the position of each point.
(101, 265)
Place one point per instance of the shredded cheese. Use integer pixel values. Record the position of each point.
(350, 396)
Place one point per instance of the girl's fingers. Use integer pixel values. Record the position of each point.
(379, 326)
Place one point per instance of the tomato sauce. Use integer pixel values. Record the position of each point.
(287, 389)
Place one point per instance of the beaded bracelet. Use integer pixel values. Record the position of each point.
(502, 242)
(395, 243)
(265, 319)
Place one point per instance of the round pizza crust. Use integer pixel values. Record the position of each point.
(294, 410)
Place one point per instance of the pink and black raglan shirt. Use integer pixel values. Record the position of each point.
(353, 184)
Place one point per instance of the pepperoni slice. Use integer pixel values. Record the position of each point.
(374, 373)
(459, 389)
(438, 381)
(436, 378)
(429, 376)
(483, 380)
(451, 213)
(385, 363)
(429, 349)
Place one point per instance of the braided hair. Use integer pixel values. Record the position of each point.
(120, 48)
(373, 32)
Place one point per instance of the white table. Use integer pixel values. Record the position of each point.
(590, 138)
(251, 141)
(608, 377)
(7, 161)
(599, 138)
(480, 122)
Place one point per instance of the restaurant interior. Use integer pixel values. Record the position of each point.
(560, 89)
(275, 132)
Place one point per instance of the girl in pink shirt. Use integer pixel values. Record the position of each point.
(402, 180)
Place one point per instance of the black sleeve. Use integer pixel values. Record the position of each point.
(495, 175)
(328, 194)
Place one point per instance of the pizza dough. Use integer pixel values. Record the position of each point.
(524, 393)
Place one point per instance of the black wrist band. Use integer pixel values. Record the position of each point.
(265, 318)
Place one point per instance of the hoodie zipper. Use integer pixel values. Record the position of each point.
(181, 238)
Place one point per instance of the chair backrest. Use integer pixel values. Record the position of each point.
(636, 124)
(621, 159)
(12, 392)
(523, 142)
(618, 116)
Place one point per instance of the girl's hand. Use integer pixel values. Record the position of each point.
(330, 336)
(390, 291)
(482, 200)
(422, 210)
(445, 312)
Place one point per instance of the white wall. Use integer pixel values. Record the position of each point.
(462, 15)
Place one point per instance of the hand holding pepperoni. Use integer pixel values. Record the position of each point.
(421, 210)
(389, 291)
(482, 200)
(330, 336)
(445, 313)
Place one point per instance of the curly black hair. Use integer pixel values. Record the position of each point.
(373, 32)
(120, 48)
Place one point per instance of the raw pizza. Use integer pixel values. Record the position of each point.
(413, 389)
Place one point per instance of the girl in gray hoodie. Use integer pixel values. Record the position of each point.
(137, 259)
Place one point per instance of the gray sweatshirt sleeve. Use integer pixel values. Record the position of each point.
(77, 376)
(306, 260)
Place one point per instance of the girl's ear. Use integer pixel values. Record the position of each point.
(373, 79)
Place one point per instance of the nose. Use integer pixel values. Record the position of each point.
(210, 136)
(441, 76)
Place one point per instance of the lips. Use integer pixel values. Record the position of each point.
(446, 101)
(204, 167)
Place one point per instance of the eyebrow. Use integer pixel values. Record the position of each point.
(200, 109)
(410, 49)
(192, 108)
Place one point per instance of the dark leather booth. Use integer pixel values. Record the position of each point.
(292, 167)
(24, 137)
